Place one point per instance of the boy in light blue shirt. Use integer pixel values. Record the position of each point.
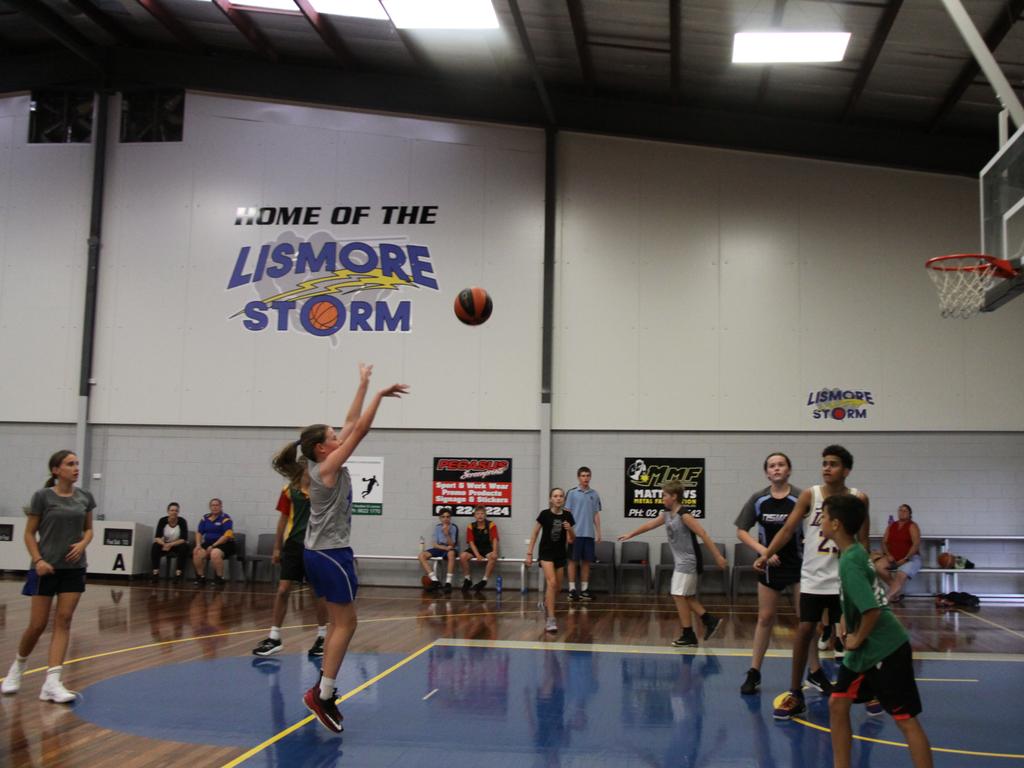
(585, 505)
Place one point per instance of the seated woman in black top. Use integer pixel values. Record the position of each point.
(171, 540)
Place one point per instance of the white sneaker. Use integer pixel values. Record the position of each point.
(12, 683)
(551, 625)
(54, 690)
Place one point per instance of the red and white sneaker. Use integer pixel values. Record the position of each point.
(326, 711)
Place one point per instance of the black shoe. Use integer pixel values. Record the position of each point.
(435, 586)
(317, 649)
(752, 683)
(178, 578)
(218, 581)
(585, 595)
(480, 586)
(711, 625)
(574, 595)
(199, 581)
(819, 680)
(687, 639)
(154, 578)
(467, 584)
(447, 587)
(268, 647)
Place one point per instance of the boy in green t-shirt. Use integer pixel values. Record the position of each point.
(878, 661)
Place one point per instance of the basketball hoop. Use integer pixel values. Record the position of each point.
(963, 279)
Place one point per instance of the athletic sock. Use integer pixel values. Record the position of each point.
(53, 674)
(20, 660)
(275, 633)
(326, 688)
(584, 585)
(321, 630)
(448, 579)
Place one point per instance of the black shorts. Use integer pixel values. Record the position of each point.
(557, 563)
(228, 548)
(483, 552)
(61, 580)
(891, 681)
(813, 606)
(293, 567)
(779, 578)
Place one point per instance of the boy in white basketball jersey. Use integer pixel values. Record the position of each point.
(819, 573)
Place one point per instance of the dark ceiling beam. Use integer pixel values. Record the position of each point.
(328, 34)
(531, 59)
(766, 74)
(995, 35)
(242, 76)
(59, 29)
(878, 38)
(117, 32)
(248, 29)
(675, 46)
(172, 24)
(579, 35)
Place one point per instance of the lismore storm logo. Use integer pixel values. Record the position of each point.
(321, 285)
(840, 404)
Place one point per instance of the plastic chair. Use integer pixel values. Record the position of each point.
(239, 556)
(633, 559)
(711, 570)
(264, 554)
(743, 557)
(603, 565)
(665, 566)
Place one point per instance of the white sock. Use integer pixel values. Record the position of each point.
(20, 660)
(584, 585)
(448, 578)
(321, 631)
(53, 674)
(275, 633)
(326, 688)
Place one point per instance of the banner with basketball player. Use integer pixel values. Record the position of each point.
(367, 473)
(645, 476)
(462, 483)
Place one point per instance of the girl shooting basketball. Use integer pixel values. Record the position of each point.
(328, 557)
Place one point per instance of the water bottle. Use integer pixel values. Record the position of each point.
(423, 544)
(497, 585)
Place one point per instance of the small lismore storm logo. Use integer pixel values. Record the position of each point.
(840, 404)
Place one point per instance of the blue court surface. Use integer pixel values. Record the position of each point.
(550, 704)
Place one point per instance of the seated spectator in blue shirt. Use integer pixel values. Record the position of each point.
(446, 545)
(215, 540)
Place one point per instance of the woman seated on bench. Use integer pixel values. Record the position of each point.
(901, 559)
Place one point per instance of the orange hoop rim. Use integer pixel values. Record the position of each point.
(1002, 267)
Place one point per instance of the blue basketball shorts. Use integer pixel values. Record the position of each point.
(332, 574)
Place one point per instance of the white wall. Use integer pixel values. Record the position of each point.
(45, 191)
(704, 289)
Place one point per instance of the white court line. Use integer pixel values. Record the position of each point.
(430, 694)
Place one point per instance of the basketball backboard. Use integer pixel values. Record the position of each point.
(1002, 216)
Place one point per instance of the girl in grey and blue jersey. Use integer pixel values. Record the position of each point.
(328, 556)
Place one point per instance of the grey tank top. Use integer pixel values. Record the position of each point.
(330, 510)
(681, 542)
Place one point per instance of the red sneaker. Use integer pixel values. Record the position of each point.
(326, 711)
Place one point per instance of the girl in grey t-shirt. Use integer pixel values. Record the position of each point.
(58, 530)
(328, 557)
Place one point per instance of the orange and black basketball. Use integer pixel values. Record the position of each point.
(323, 315)
(473, 306)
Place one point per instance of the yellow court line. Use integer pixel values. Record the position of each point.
(993, 623)
(294, 727)
(947, 750)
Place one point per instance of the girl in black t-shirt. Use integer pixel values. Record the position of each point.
(556, 529)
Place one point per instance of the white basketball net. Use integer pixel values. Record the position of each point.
(962, 291)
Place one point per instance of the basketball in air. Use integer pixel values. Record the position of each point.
(473, 306)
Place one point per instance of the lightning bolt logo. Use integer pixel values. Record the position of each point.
(341, 281)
